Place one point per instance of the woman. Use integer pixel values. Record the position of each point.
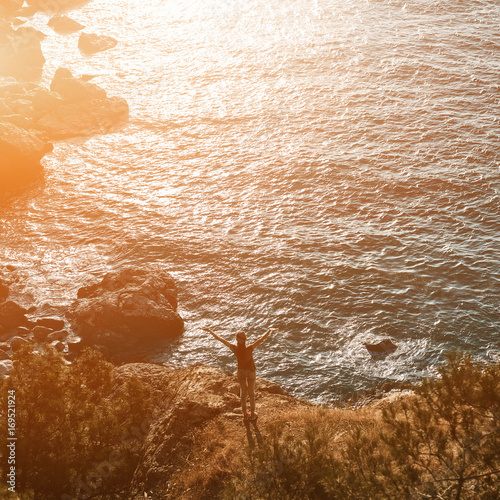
(246, 367)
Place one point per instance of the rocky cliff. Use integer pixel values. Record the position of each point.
(198, 408)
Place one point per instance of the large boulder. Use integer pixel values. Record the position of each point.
(127, 306)
(64, 24)
(12, 315)
(21, 151)
(21, 54)
(90, 43)
(84, 118)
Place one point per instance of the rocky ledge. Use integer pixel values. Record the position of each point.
(190, 401)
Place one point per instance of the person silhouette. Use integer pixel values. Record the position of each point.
(246, 367)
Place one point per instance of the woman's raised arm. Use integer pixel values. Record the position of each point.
(220, 339)
(264, 337)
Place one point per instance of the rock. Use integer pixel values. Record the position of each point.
(56, 5)
(17, 342)
(27, 11)
(84, 118)
(12, 315)
(384, 347)
(4, 290)
(18, 21)
(60, 335)
(11, 88)
(30, 32)
(73, 90)
(5, 346)
(3, 355)
(58, 345)
(127, 306)
(31, 309)
(22, 331)
(43, 101)
(90, 43)
(75, 347)
(6, 30)
(10, 7)
(21, 56)
(52, 323)
(41, 332)
(21, 152)
(64, 24)
(87, 78)
(5, 367)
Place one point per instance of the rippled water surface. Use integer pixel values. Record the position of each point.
(328, 167)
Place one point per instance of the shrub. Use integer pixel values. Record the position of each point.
(74, 425)
(442, 442)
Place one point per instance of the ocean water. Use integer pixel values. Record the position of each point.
(329, 167)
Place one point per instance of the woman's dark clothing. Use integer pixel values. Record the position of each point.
(244, 355)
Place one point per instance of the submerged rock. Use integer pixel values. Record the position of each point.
(84, 118)
(90, 43)
(127, 306)
(64, 24)
(85, 110)
(384, 347)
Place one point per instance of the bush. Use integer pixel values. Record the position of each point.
(443, 442)
(75, 426)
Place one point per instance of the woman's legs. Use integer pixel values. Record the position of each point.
(244, 394)
(251, 393)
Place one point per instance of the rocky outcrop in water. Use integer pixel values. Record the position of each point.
(64, 24)
(90, 43)
(21, 54)
(85, 109)
(126, 307)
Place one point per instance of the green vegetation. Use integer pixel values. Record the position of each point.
(443, 442)
(77, 430)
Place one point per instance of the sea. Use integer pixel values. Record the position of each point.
(326, 167)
